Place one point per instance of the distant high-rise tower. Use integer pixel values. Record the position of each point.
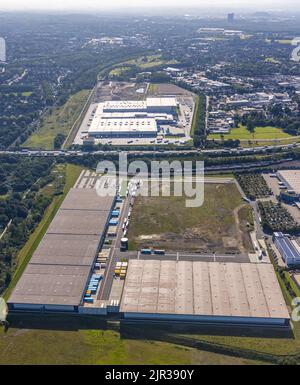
(2, 50)
(230, 18)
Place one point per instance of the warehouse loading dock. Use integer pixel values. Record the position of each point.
(58, 273)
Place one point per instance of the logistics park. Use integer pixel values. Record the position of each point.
(117, 256)
(125, 120)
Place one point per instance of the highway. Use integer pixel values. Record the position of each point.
(134, 152)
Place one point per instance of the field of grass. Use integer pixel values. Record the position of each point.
(72, 172)
(152, 89)
(276, 346)
(150, 61)
(49, 343)
(166, 222)
(261, 133)
(118, 71)
(285, 41)
(196, 112)
(272, 60)
(274, 142)
(59, 121)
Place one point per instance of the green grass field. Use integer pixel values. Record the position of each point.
(118, 71)
(272, 60)
(276, 346)
(25, 254)
(261, 133)
(59, 121)
(49, 343)
(274, 142)
(196, 112)
(150, 61)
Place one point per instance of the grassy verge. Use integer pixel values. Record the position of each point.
(76, 125)
(25, 254)
(58, 121)
(260, 133)
(196, 113)
(48, 341)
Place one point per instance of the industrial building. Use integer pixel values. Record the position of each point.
(59, 270)
(118, 128)
(291, 180)
(150, 105)
(204, 292)
(132, 119)
(289, 249)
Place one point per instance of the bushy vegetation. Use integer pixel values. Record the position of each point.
(276, 218)
(254, 185)
(30, 186)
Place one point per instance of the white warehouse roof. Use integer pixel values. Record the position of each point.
(136, 105)
(161, 102)
(124, 104)
(123, 125)
(291, 178)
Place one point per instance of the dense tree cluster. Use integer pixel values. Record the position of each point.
(22, 208)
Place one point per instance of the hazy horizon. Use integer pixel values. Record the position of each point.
(86, 5)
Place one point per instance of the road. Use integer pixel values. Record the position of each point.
(5, 230)
(113, 255)
(156, 151)
(184, 256)
(230, 167)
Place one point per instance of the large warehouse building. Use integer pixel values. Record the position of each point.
(150, 105)
(206, 292)
(289, 249)
(291, 179)
(118, 128)
(57, 275)
(132, 119)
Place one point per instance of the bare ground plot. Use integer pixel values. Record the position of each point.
(220, 225)
(167, 89)
(120, 91)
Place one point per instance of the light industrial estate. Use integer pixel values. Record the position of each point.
(132, 118)
(83, 265)
(118, 117)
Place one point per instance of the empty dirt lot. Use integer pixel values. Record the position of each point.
(220, 225)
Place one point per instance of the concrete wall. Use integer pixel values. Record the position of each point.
(42, 308)
(207, 319)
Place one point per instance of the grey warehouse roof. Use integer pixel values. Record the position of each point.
(203, 288)
(86, 199)
(59, 268)
(66, 249)
(82, 222)
(51, 285)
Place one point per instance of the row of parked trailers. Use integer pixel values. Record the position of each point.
(101, 261)
(92, 287)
